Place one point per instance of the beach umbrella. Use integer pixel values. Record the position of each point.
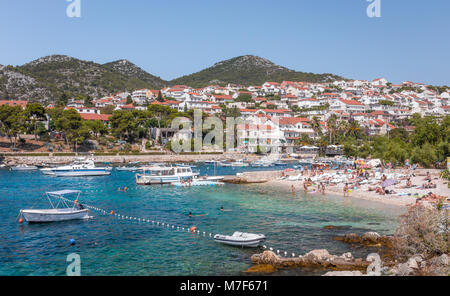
(388, 183)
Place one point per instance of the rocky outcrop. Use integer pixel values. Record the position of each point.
(371, 239)
(418, 265)
(314, 259)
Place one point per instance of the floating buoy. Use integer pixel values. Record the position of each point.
(193, 229)
(20, 221)
(72, 241)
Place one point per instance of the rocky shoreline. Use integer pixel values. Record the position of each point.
(347, 265)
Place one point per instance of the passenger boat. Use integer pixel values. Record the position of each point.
(24, 167)
(60, 211)
(165, 175)
(241, 239)
(81, 167)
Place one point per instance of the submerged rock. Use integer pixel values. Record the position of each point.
(334, 227)
(261, 268)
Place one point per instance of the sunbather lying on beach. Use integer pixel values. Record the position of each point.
(408, 185)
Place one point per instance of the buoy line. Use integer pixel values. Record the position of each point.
(192, 229)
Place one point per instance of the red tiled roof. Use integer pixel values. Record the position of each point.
(22, 104)
(102, 117)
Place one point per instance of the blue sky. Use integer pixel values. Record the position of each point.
(173, 38)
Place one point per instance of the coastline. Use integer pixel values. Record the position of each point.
(362, 193)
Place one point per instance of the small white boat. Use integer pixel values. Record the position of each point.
(24, 167)
(239, 164)
(241, 239)
(60, 211)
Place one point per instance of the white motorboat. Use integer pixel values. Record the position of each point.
(24, 167)
(239, 164)
(81, 167)
(60, 211)
(165, 175)
(241, 239)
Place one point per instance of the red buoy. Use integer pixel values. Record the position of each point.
(193, 229)
(112, 212)
(20, 220)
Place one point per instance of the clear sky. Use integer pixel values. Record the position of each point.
(171, 38)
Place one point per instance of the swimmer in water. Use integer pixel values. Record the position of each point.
(190, 215)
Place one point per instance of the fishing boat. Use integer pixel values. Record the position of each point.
(81, 167)
(241, 239)
(24, 167)
(165, 175)
(60, 211)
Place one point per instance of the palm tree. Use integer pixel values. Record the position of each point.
(315, 125)
(331, 123)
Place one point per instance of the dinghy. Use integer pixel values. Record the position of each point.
(60, 211)
(241, 239)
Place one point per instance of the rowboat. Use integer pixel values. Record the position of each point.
(241, 239)
(60, 211)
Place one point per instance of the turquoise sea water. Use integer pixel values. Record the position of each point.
(109, 246)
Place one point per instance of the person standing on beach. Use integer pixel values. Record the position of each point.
(322, 188)
(346, 190)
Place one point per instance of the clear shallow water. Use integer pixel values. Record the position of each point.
(109, 246)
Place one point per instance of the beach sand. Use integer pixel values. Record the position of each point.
(363, 193)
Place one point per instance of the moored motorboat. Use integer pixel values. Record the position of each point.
(24, 167)
(62, 211)
(81, 167)
(241, 239)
